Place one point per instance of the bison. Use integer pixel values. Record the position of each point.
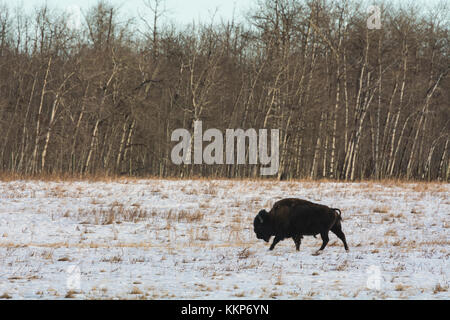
(295, 218)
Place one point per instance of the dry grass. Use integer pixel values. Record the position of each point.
(64, 259)
(342, 266)
(115, 213)
(279, 279)
(400, 287)
(190, 191)
(71, 294)
(5, 296)
(47, 254)
(440, 288)
(113, 259)
(204, 205)
(136, 290)
(186, 216)
(202, 235)
(415, 185)
(158, 224)
(383, 209)
(99, 177)
(211, 189)
(391, 232)
(244, 253)
(236, 204)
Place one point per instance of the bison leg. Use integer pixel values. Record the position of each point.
(274, 243)
(325, 240)
(297, 241)
(337, 230)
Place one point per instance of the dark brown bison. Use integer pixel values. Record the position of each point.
(295, 218)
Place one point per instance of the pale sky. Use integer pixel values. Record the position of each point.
(179, 11)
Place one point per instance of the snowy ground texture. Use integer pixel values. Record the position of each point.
(193, 239)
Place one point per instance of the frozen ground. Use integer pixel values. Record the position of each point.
(166, 239)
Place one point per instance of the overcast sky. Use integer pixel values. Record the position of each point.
(180, 11)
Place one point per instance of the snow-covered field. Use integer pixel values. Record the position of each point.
(193, 239)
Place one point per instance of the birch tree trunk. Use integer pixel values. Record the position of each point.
(24, 129)
(393, 151)
(49, 130)
(315, 162)
(333, 140)
(122, 145)
(442, 161)
(91, 147)
(360, 113)
(38, 121)
(421, 120)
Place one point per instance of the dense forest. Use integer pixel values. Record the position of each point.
(350, 102)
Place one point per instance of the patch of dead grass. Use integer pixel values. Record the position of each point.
(440, 288)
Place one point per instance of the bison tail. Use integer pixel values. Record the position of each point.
(338, 212)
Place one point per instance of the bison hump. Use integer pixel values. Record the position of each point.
(291, 202)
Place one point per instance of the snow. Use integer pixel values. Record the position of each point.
(193, 239)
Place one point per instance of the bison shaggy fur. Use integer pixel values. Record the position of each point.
(295, 218)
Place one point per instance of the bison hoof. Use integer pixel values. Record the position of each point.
(318, 252)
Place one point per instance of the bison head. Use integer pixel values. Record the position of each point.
(262, 226)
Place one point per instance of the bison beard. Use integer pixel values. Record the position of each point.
(295, 218)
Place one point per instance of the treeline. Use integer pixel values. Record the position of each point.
(350, 102)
